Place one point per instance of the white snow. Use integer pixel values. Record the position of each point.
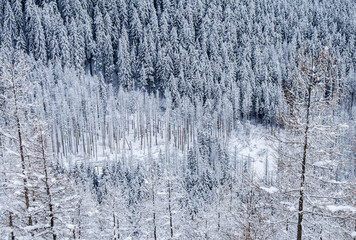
(345, 208)
(270, 189)
(251, 143)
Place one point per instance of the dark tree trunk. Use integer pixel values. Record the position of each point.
(22, 155)
(48, 192)
(170, 208)
(301, 192)
(12, 236)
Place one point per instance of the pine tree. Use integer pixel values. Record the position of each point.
(9, 26)
(34, 32)
(124, 61)
(17, 7)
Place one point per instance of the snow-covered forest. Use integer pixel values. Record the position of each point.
(178, 119)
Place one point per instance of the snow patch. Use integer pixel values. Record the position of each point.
(270, 189)
(345, 208)
(251, 145)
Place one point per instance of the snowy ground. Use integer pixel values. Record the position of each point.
(252, 143)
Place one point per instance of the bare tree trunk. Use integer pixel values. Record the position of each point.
(48, 192)
(12, 236)
(301, 192)
(154, 209)
(170, 208)
(116, 227)
(22, 156)
(73, 231)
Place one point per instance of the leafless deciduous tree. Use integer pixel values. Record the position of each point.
(308, 155)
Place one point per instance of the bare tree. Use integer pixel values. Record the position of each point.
(14, 69)
(310, 121)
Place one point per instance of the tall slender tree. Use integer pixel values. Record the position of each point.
(312, 98)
